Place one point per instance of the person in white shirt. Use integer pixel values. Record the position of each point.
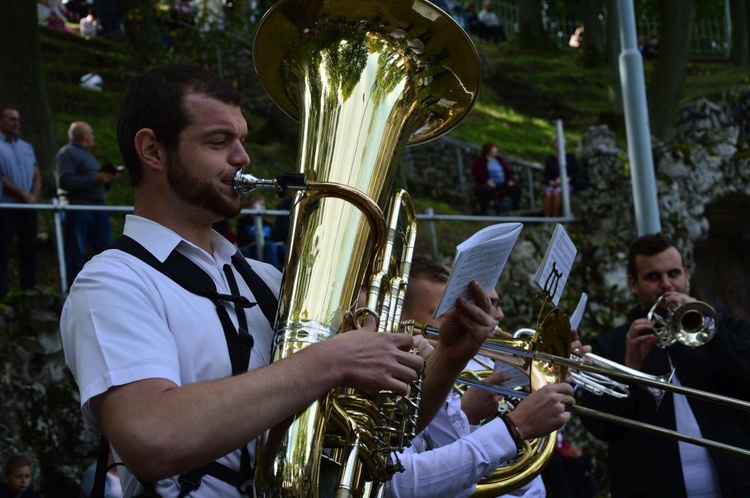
(177, 381)
(89, 25)
(455, 452)
(490, 28)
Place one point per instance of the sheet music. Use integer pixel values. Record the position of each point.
(518, 378)
(575, 318)
(555, 268)
(481, 257)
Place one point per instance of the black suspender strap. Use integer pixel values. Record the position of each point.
(263, 294)
(100, 477)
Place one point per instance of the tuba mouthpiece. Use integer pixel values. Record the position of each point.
(245, 182)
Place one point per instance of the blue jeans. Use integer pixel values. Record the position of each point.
(82, 228)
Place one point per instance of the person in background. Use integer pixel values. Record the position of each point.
(552, 183)
(494, 180)
(576, 39)
(650, 49)
(17, 479)
(247, 239)
(21, 184)
(89, 25)
(456, 451)
(490, 28)
(645, 465)
(81, 180)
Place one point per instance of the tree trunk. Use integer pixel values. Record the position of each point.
(677, 17)
(739, 52)
(531, 33)
(22, 83)
(614, 47)
(593, 34)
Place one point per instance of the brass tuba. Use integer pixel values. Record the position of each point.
(364, 79)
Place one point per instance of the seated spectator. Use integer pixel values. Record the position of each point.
(650, 50)
(17, 479)
(89, 25)
(184, 11)
(471, 20)
(551, 181)
(494, 180)
(248, 240)
(489, 25)
(576, 39)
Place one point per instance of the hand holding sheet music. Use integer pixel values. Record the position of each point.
(481, 257)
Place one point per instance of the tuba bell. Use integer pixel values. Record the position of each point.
(364, 79)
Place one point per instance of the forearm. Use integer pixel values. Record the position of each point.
(148, 429)
(36, 186)
(470, 458)
(12, 189)
(440, 376)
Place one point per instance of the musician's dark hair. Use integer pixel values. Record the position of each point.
(425, 269)
(649, 245)
(428, 269)
(155, 99)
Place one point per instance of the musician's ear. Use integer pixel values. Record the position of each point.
(150, 151)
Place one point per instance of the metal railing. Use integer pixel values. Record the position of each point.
(428, 216)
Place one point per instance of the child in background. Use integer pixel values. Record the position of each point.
(17, 479)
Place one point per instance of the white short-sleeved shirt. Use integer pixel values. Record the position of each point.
(125, 321)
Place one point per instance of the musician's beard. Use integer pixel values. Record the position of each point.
(199, 191)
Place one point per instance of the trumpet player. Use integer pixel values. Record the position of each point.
(645, 465)
(455, 452)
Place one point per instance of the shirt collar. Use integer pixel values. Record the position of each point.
(161, 241)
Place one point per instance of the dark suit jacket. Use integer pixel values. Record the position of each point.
(645, 465)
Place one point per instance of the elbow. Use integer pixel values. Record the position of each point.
(151, 459)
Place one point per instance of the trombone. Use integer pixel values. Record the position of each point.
(510, 351)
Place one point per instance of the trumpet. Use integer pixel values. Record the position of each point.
(508, 351)
(692, 324)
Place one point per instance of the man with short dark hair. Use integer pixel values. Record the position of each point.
(21, 184)
(179, 383)
(644, 465)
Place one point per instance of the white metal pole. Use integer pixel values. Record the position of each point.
(637, 125)
(563, 163)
